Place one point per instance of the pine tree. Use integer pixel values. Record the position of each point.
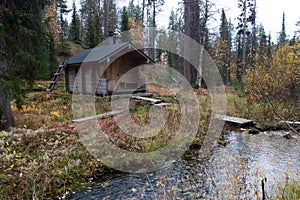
(74, 32)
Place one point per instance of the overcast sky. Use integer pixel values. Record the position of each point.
(269, 13)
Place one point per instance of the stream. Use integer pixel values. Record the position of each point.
(235, 171)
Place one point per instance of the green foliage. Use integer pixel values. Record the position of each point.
(23, 46)
(282, 37)
(52, 54)
(222, 55)
(74, 32)
(63, 25)
(124, 20)
(92, 22)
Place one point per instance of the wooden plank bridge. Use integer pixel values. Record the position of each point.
(242, 122)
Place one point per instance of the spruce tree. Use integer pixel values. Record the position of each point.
(74, 32)
(23, 52)
(174, 41)
(92, 22)
(124, 20)
(246, 20)
(297, 32)
(282, 36)
(224, 46)
(63, 25)
(124, 26)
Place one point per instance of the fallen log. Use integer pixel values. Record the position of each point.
(104, 115)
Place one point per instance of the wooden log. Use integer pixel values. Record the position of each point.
(130, 95)
(154, 101)
(162, 104)
(291, 123)
(108, 114)
(235, 120)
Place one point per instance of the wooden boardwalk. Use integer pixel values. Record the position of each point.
(235, 120)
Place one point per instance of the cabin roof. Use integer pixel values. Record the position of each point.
(98, 54)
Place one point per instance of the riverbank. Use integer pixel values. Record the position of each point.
(43, 158)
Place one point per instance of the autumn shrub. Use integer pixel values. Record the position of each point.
(42, 108)
(275, 85)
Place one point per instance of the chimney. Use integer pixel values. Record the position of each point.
(112, 39)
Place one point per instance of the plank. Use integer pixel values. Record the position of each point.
(130, 95)
(234, 120)
(107, 114)
(291, 123)
(154, 101)
(162, 104)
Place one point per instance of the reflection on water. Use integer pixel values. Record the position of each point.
(231, 172)
(238, 169)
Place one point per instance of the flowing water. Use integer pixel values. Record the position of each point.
(232, 172)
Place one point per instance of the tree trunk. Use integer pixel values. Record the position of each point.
(191, 28)
(244, 62)
(6, 117)
(143, 11)
(154, 26)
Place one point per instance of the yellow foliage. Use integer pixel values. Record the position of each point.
(136, 32)
(13, 108)
(55, 114)
(279, 79)
(23, 109)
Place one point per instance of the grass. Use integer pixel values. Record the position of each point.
(260, 111)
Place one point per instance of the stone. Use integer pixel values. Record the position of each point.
(287, 136)
(253, 131)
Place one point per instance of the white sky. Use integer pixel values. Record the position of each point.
(269, 13)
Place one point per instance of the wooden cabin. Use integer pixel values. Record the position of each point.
(103, 70)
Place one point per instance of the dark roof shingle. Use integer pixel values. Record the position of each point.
(98, 54)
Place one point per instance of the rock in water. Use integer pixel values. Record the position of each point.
(287, 136)
(253, 131)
